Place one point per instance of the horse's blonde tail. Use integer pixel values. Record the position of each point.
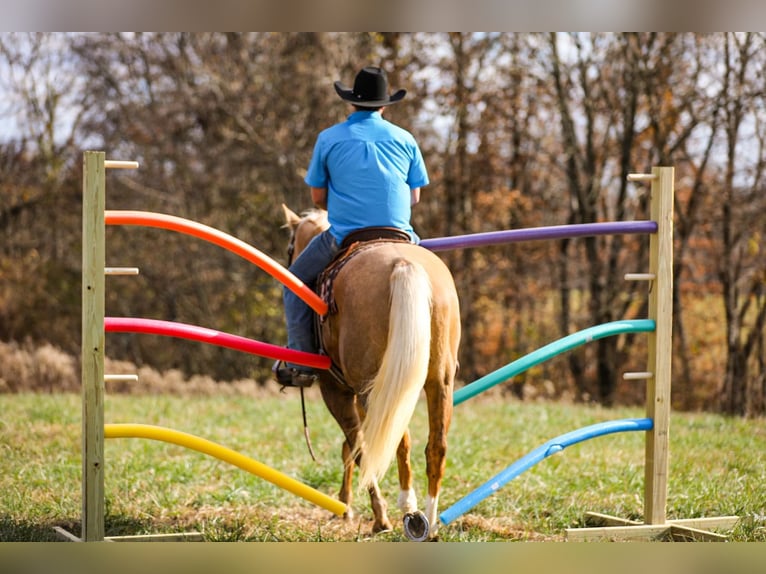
(396, 387)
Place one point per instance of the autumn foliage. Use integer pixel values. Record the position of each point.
(518, 130)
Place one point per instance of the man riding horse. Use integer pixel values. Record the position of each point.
(393, 325)
(367, 173)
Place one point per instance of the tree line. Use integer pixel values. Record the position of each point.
(517, 129)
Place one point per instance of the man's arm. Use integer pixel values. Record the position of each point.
(414, 196)
(319, 197)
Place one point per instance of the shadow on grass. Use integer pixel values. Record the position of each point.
(23, 530)
(15, 530)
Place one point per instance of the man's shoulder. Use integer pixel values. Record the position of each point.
(334, 131)
(396, 132)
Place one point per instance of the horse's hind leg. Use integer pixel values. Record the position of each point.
(408, 501)
(381, 523)
(342, 405)
(378, 503)
(439, 398)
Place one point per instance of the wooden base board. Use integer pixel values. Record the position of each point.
(607, 527)
(175, 537)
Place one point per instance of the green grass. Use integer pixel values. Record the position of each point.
(717, 468)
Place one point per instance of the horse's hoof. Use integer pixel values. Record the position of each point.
(416, 526)
(382, 528)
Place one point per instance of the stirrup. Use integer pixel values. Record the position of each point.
(289, 377)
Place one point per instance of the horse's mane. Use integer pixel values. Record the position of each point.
(317, 216)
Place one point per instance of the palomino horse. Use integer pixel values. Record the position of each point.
(396, 331)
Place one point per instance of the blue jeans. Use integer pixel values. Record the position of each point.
(298, 315)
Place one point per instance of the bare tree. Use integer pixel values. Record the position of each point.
(518, 130)
(596, 87)
(741, 267)
(39, 254)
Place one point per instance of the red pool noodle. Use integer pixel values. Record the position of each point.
(213, 337)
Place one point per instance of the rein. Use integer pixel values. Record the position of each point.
(291, 249)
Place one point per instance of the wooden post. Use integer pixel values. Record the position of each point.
(93, 262)
(658, 382)
(660, 347)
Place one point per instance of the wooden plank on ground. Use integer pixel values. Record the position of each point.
(598, 519)
(687, 534)
(708, 523)
(170, 537)
(607, 533)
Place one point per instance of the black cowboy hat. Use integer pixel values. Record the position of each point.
(370, 89)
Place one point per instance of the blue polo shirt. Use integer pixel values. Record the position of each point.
(369, 166)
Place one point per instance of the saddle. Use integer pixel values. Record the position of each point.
(374, 234)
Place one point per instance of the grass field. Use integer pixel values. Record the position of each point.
(717, 468)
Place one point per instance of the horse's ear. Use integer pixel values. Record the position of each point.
(291, 218)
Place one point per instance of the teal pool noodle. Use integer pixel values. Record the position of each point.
(551, 350)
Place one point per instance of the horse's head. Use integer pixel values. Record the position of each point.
(303, 228)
